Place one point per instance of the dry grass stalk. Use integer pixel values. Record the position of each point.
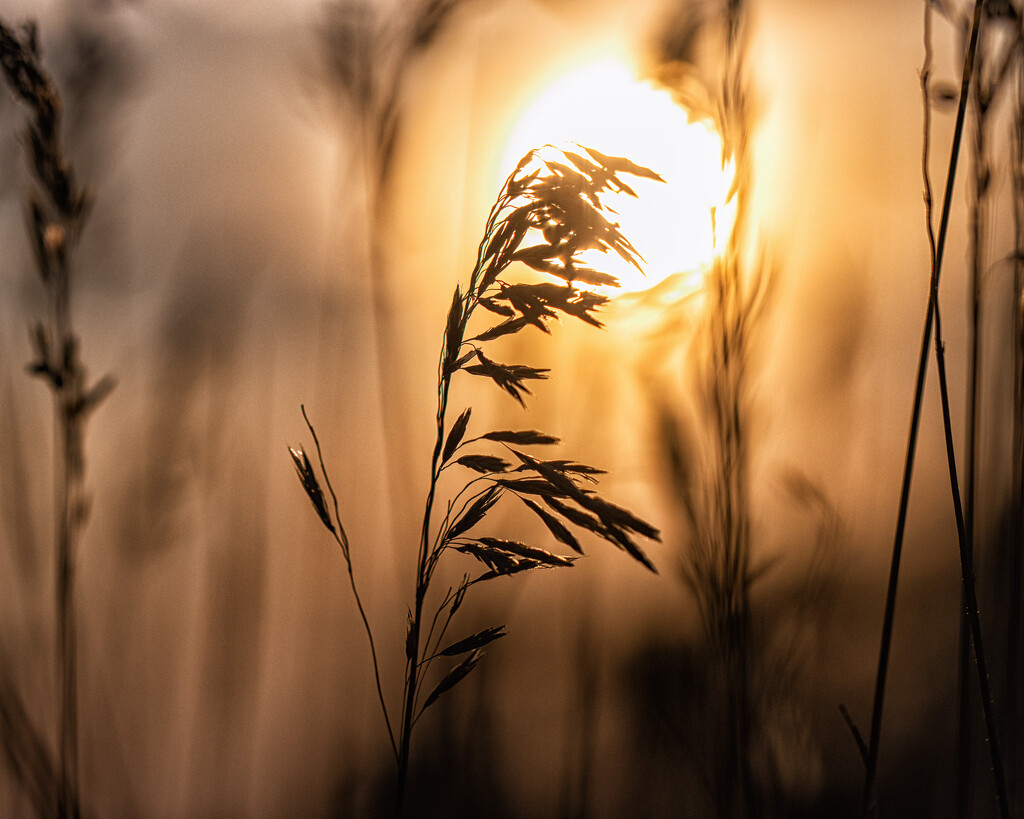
(711, 470)
(554, 200)
(57, 212)
(722, 566)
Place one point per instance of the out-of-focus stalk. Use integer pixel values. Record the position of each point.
(57, 212)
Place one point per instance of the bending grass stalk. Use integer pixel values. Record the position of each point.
(908, 468)
(341, 538)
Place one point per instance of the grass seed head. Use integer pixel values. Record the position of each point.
(307, 477)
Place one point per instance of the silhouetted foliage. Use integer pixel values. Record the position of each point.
(553, 199)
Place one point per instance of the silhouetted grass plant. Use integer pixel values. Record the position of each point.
(553, 199)
(57, 210)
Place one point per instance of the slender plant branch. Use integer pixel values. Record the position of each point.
(422, 583)
(908, 468)
(980, 174)
(342, 540)
(964, 517)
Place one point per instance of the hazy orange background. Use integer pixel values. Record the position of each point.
(223, 280)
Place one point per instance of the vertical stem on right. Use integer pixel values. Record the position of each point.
(888, 619)
(1015, 621)
(979, 173)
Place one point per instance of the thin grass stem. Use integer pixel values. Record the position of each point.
(979, 176)
(413, 675)
(342, 539)
(908, 468)
(967, 575)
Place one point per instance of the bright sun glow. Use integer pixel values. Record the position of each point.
(603, 106)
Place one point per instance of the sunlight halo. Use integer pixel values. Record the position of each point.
(603, 105)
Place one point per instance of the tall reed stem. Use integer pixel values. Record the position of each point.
(967, 575)
(908, 468)
(979, 177)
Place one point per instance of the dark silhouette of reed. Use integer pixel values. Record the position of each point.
(964, 511)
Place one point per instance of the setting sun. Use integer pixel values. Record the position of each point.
(604, 106)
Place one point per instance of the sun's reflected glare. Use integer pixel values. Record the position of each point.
(603, 105)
